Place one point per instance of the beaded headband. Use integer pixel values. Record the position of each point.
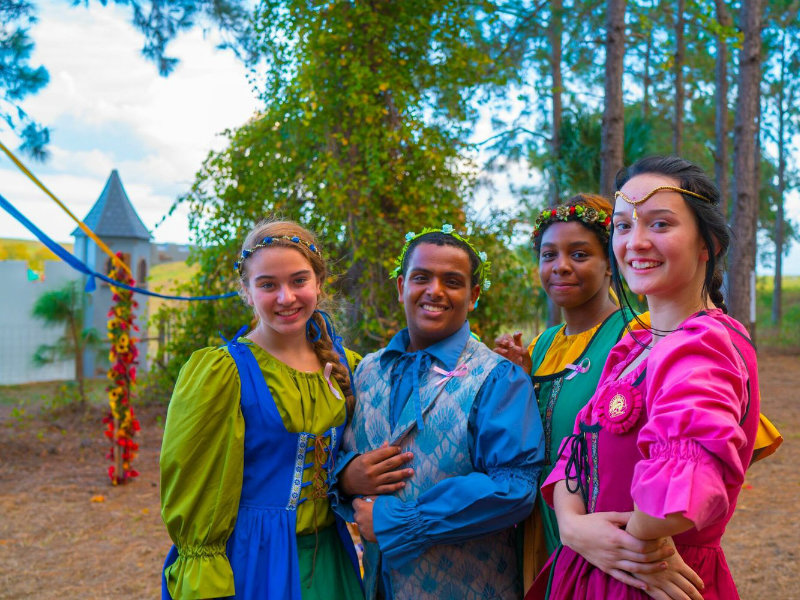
(598, 219)
(268, 241)
(653, 192)
(484, 265)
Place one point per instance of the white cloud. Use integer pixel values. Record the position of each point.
(108, 108)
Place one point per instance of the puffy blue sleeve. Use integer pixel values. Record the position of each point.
(507, 452)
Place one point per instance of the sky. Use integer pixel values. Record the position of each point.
(107, 108)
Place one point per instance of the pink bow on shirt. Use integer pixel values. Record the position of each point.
(327, 374)
(581, 367)
(459, 371)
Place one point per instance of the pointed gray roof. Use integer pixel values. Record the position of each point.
(113, 215)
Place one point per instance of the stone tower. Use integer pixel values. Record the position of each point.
(115, 221)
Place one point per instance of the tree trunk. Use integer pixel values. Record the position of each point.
(554, 34)
(721, 110)
(647, 79)
(777, 295)
(613, 134)
(77, 346)
(745, 167)
(680, 94)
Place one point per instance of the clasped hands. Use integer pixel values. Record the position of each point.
(376, 472)
(653, 566)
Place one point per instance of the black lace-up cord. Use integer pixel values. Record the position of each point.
(578, 462)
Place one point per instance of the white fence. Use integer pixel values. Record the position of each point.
(20, 333)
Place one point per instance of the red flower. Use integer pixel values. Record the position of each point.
(572, 210)
(553, 213)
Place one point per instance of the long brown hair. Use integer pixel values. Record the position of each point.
(322, 344)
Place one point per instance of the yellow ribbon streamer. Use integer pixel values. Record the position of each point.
(81, 224)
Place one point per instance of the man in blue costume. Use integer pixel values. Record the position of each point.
(469, 419)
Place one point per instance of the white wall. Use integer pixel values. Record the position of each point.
(20, 333)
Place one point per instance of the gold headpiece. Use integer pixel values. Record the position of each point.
(652, 193)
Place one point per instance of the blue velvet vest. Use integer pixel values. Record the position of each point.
(480, 568)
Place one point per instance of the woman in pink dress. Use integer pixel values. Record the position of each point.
(664, 443)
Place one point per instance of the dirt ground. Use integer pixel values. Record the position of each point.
(58, 541)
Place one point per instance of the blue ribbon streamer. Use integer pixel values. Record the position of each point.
(80, 266)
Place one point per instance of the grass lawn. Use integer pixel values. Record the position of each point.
(785, 338)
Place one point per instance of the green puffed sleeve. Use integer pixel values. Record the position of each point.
(353, 358)
(202, 462)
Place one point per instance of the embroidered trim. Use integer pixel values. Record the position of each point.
(331, 450)
(548, 418)
(595, 475)
(297, 481)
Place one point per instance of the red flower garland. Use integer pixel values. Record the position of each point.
(121, 425)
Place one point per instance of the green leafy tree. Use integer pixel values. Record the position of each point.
(18, 78)
(367, 107)
(64, 307)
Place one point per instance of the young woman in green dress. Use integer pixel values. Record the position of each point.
(565, 361)
(249, 441)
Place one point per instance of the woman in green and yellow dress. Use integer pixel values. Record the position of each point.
(250, 436)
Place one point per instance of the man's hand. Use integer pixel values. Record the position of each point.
(363, 511)
(376, 472)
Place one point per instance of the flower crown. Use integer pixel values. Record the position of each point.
(268, 241)
(484, 265)
(599, 219)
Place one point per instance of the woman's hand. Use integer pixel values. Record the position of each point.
(677, 582)
(600, 539)
(511, 348)
(376, 472)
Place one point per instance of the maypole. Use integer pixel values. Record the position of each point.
(121, 425)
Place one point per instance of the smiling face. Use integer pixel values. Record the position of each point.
(573, 266)
(661, 254)
(283, 290)
(436, 293)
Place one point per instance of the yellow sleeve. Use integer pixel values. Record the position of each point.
(768, 438)
(202, 461)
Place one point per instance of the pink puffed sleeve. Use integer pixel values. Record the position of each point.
(617, 356)
(694, 450)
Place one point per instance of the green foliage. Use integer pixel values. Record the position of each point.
(786, 336)
(366, 111)
(64, 306)
(18, 78)
(160, 22)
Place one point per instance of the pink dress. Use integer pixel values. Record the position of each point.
(676, 434)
